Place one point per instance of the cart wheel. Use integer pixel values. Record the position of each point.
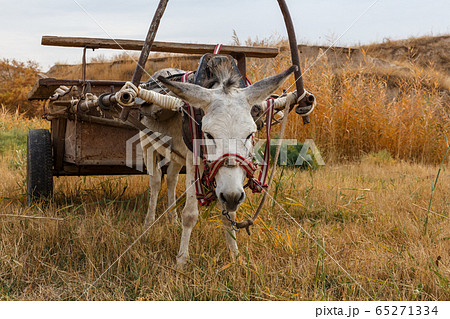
(39, 165)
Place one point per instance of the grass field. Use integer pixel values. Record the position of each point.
(373, 223)
(349, 231)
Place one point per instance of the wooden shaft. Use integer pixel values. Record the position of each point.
(294, 53)
(151, 34)
(168, 47)
(241, 64)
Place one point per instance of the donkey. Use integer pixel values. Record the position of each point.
(228, 127)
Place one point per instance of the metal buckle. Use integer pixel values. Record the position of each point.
(233, 222)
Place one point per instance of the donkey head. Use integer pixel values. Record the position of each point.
(228, 125)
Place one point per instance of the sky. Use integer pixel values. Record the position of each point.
(351, 22)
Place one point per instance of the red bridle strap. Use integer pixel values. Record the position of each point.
(230, 160)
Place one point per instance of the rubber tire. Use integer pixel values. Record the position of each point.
(39, 165)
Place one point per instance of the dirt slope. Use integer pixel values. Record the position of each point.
(424, 51)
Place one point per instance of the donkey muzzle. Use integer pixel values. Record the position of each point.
(232, 200)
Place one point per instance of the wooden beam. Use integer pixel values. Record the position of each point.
(169, 47)
(44, 88)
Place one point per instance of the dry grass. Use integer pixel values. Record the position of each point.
(369, 217)
(359, 230)
(368, 108)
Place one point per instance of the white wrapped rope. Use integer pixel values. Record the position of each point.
(90, 101)
(314, 103)
(165, 101)
(60, 92)
(290, 98)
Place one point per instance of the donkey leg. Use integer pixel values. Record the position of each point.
(155, 174)
(230, 235)
(173, 170)
(189, 215)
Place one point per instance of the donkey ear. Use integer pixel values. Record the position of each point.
(261, 90)
(193, 94)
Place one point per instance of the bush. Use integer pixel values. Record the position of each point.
(293, 158)
(16, 80)
(363, 108)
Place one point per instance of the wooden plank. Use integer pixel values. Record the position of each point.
(41, 92)
(58, 142)
(170, 47)
(70, 169)
(44, 88)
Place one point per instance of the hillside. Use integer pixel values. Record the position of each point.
(426, 52)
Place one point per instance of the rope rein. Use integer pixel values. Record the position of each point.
(248, 222)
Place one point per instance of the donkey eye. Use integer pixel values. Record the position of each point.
(209, 136)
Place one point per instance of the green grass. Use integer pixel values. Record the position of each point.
(14, 128)
(12, 140)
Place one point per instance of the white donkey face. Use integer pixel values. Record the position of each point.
(228, 126)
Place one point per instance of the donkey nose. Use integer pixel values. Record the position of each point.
(232, 200)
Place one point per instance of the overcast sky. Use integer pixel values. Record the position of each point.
(24, 22)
